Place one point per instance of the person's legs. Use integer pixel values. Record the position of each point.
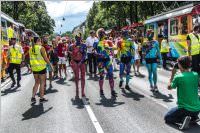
(18, 70)
(174, 116)
(42, 78)
(36, 85)
(154, 70)
(121, 72)
(109, 69)
(94, 64)
(65, 70)
(90, 62)
(164, 56)
(10, 70)
(138, 65)
(82, 68)
(149, 68)
(76, 75)
(101, 73)
(60, 72)
(128, 69)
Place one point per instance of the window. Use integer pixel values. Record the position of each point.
(151, 27)
(195, 19)
(3, 29)
(174, 27)
(184, 28)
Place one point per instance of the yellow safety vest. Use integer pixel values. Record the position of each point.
(195, 44)
(10, 33)
(15, 54)
(37, 61)
(164, 46)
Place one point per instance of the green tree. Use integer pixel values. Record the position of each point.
(33, 14)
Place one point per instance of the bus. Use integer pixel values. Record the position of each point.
(6, 21)
(176, 25)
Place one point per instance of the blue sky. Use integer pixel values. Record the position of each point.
(75, 12)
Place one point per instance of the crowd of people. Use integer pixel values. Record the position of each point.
(103, 55)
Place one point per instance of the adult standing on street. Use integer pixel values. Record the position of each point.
(38, 61)
(193, 41)
(62, 49)
(78, 63)
(164, 51)
(90, 52)
(15, 57)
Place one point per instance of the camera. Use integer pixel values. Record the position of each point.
(175, 65)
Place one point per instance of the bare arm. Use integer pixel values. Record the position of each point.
(189, 47)
(42, 50)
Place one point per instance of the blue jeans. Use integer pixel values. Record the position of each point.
(176, 115)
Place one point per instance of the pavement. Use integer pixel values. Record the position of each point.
(135, 111)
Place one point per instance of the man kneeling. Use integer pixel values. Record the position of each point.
(188, 102)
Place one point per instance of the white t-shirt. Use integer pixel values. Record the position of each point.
(89, 42)
(17, 46)
(136, 49)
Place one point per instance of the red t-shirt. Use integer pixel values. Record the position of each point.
(62, 48)
(47, 49)
(26, 50)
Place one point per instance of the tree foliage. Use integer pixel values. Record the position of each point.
(33, 14)
(116, 14)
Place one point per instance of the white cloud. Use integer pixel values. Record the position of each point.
(63, 8)
(76, 9)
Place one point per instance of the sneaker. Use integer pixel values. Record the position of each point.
(42, 100)
(50, 86)
(156, 89)
(101, 93)
(76, 97)
(185, 124)
(13, 84)
(113, 94)
(120, 84)
(127, 87)
(18, 85)
(33, 100)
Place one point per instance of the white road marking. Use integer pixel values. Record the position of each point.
(92, 117)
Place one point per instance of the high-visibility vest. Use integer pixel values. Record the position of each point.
(37, 61)
(195, 44)
(164, 46)
(15, 54)
(10, 32)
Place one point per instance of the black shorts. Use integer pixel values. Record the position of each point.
(196, 63)
(151, 60)
(126, 60)
(40, 72)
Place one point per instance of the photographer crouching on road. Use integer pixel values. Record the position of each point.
(188, 102)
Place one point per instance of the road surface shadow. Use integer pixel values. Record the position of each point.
(93, 78)
(131, 94)
(192, 128)
(165, 98)
(61, 81)
(9, 90)
(140, 75)
(109, 102)
(77, 102)
(35, 111)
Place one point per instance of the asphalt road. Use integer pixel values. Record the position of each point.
(136, 111)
